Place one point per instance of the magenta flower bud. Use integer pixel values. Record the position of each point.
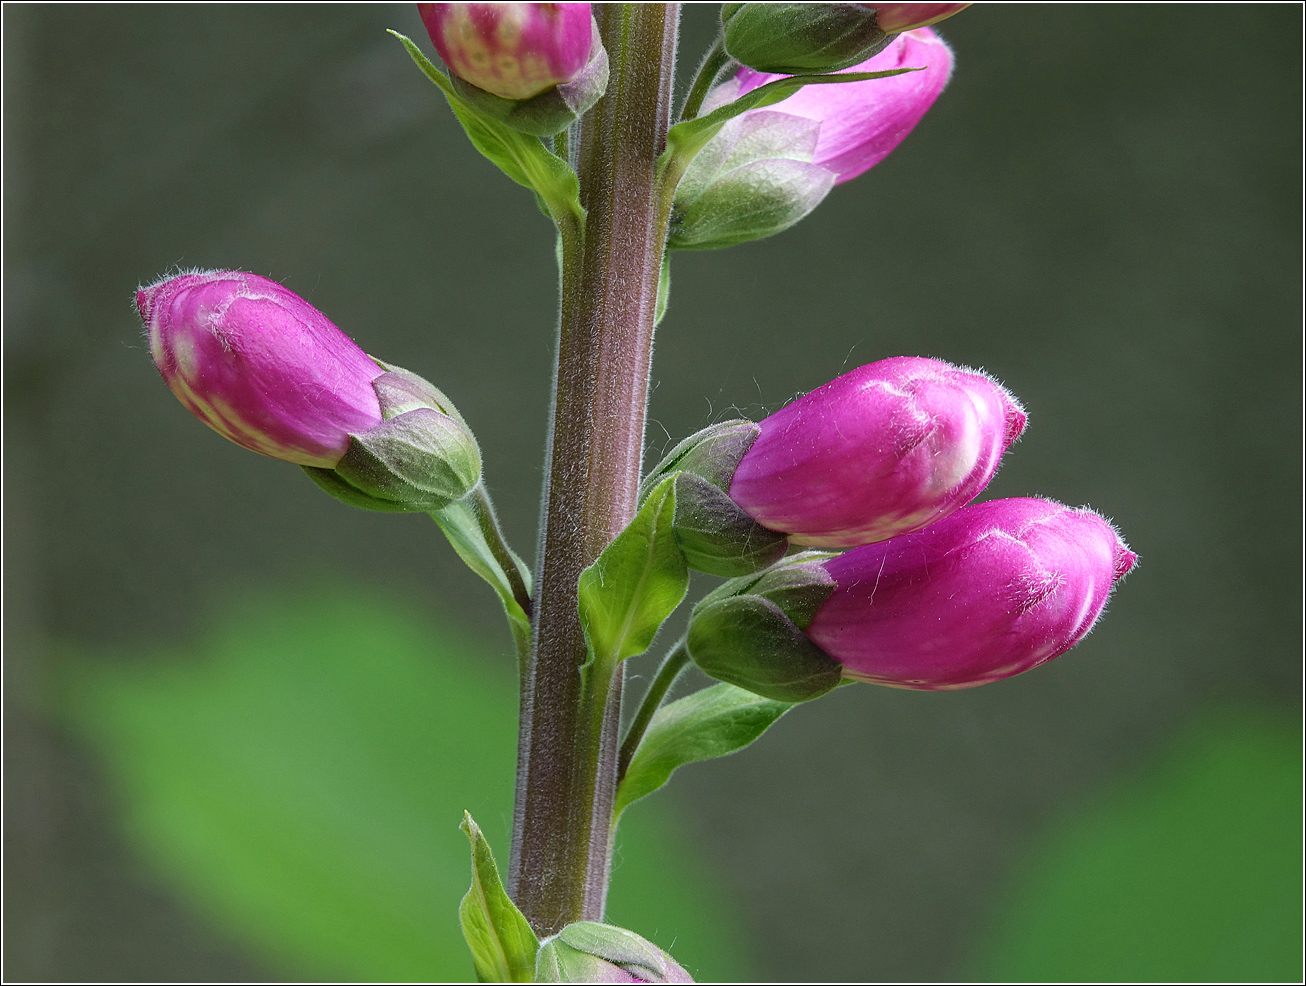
(994, 590)
(260, 365)
(861, 122)
(883, 450)
(894, 18)
(514, 50)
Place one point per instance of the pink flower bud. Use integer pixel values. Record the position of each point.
(514, 50)
(994, 590)
(260, 365)
(893, 18)
(885, 449)
(861, 122)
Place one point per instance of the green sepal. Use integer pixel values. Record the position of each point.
(636, 583)
(748, 641)
(462, 525)
(716, 536)
(521, 157)
(789, 38)
(423, 458)
(713, 722)
(713, 453)
(501, 940)
(688, 137)
(328, 481)
(751, 202)
(754, 179)
(399, 391)
(798, 585)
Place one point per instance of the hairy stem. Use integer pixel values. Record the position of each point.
(567, 747)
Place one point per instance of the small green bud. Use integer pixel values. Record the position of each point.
(421, 457)
(801, 38)
(590, 952)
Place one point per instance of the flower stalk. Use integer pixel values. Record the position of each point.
(567, 748)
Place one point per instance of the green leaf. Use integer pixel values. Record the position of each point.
(636, 583)
(521, 157)
(714, 722)
(688, 137)
(501, 940)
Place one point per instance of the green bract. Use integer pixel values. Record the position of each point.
(635, 584)
(502, 944)
(710, 723)
(520, 156)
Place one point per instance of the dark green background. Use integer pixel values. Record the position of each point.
(1103, 209)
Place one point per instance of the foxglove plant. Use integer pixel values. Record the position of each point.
(844, 522)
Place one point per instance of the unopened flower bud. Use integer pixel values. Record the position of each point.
(753, 179)
(264, 368)
(259, 365)
(885, 449)
(796, 38)
(993, 590)
(996, 589)
(860, 122)
(589, 952)
(882, 450)
(534, 66)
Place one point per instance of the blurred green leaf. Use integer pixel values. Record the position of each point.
(299, 778)
(1191, 873)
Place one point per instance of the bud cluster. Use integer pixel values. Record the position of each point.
(935, 594)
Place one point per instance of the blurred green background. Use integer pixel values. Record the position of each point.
(242, 720)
